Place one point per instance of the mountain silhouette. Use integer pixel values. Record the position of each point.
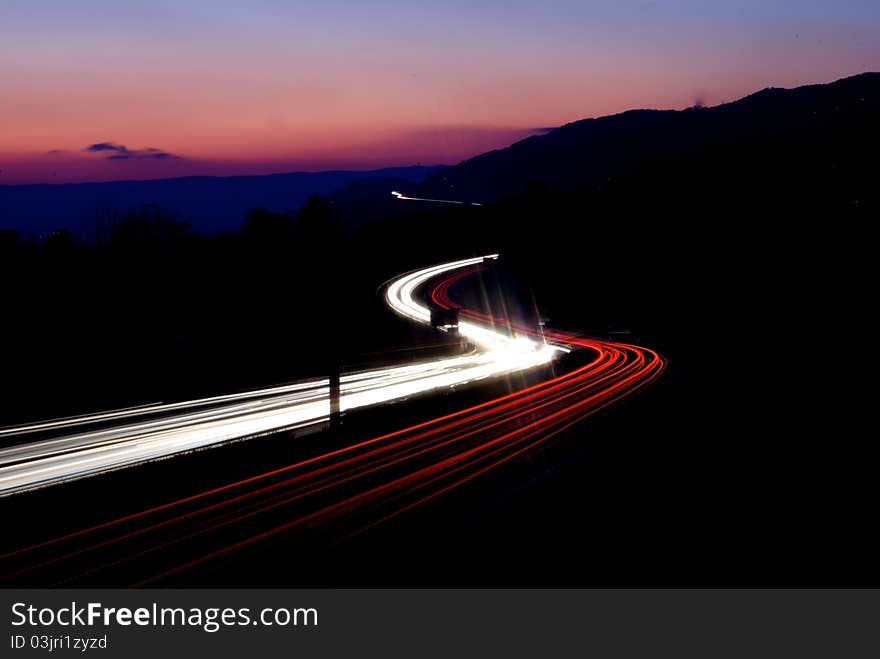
(592, 151)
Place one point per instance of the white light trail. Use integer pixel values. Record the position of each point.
(191, 425)
(403, 197)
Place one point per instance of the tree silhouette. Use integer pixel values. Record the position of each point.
(264, 226)
(146, 224)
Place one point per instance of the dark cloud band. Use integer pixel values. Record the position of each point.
(122, 152)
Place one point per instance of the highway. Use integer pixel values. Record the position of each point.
(346, 490)
(131, 436)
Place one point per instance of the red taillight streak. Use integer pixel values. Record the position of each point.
(553, 406)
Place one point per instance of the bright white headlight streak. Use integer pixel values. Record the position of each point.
(188, 425)
(403, 197)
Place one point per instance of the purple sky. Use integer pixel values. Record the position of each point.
(175, 88)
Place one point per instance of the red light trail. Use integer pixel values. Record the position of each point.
(350, 488)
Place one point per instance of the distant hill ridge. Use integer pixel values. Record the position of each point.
(844, 114)
(210, 203)
(594, 150)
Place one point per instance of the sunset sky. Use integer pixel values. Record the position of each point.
(175, 87)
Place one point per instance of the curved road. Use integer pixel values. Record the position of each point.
(185, 426)
(352, 488)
